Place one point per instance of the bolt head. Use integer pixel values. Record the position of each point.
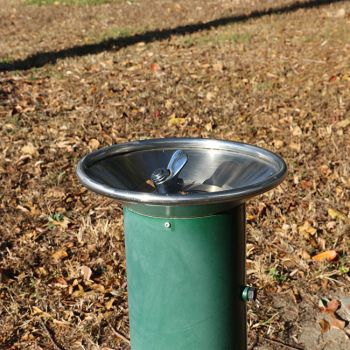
(167, 224)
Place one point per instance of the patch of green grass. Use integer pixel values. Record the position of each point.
(56, 217)
(344, 263)
(69, 2)
(240, 38)
(277, 275)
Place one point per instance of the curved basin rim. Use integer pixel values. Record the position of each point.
(232, 195)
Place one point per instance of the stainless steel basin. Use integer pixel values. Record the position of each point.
(217, 174)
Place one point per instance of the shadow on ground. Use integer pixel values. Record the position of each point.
(40, 59)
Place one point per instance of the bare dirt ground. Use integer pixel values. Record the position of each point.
(76, 78)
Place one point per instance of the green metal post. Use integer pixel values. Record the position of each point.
(185, 280)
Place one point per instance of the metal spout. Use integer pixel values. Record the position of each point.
(166, 180)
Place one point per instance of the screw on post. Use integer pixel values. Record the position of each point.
(167, 224)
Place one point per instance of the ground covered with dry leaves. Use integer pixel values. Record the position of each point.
(75, 78)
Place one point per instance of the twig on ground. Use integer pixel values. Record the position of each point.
(119, 335)
(48, 332)
(279, 342)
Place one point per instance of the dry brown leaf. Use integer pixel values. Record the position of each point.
(85, 272)
(94, 144)
(168, 104)
(343, 123)
(41, 271)
(173, 120)
(98, 288)
(306, 229)
(55, 192)
(59, 254)
(328, 255)
(340, 13)
(154, 67)
(109, 303)
(209, 96)
(37, 311)
(333, 305)
(78, 294)
(150, 183)
(218, 66)
(29, 149)
(325, 326)
(305, 255)
(278, 144)
(208, 126)
(296, 131)
(295, 146)
(335, 214)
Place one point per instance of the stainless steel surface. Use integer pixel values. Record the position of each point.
(166, 181)
(177, 162)
(160, 175)
(216, 172)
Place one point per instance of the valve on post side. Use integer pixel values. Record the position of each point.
(249, 293)
(166, 179)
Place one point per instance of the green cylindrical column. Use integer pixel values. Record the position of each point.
(185, 279)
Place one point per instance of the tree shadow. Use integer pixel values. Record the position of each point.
(40, 59)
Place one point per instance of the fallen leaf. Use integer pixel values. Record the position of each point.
(250, 217)
(154, 67)
(328, 255)
(325, 326)
(109, 303)
(218, 66)
(306, 229)
(41, 271)
(209, 96)
(168, 104)
(295, 146)
(296, 131)
(59, 254)
(208, 126)
(150, 183)
(98, 288)
(55, 192)
(86, 272)
(343, 123)
(79, 292)
(306, 184)
(335, 214)
(37, 311)
(305, 255)
(333, 305)
(94, 144)
(340, 13)
(29, 149)
(60, 281)
(278, 144)
(173, 120)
